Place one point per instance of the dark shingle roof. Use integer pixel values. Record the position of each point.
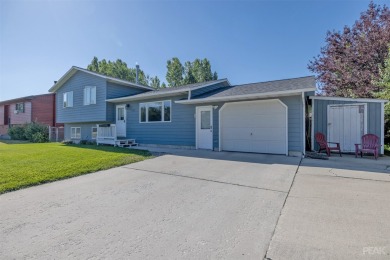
(262, 87)
(172, 90)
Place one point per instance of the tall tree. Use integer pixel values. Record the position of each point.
(175, 72)
(192, 72)
(384, 84)
(119, 69)
(349, 63)
(155, 82)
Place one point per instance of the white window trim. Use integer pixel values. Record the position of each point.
(67, 99)
(92, 132)
(71, 132)
(147, 112)
(90, 95)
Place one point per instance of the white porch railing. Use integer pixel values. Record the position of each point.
(106, 134)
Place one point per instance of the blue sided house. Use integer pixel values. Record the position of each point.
(265, 117)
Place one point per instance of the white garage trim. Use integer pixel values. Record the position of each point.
(304, 123)
(248, 102)
(382, 128)
(312, 125)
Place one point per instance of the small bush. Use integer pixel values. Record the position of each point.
(17, 132)
(67, 142)
(83, 142)
(33, 132)
(39, 137)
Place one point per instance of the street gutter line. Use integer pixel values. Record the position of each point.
(203, 179)
(281, 210)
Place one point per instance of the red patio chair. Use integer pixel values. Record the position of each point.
(370, 144)
(321, 140)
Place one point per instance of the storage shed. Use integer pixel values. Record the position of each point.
(346, 120)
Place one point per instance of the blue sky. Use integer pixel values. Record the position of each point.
(246, 41)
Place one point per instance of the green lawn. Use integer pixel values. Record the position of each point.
(25, 164)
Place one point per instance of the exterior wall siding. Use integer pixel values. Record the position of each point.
(20, 118)
(86, 131)
(79, 112)
(321, 116)
(117, 91)
(181, 130)
(201, 91)
(2, 119)
(43, 109)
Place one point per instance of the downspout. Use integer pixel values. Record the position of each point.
(304, 123)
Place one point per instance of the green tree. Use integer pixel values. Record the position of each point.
(155, 82)
(163, 85)
(175, 72)
(384, 85)
(192, 72)
(119, 69)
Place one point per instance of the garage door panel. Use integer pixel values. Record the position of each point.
(254, 127)
(237, 145)
(266, 146)
(253, 120)
(271, 133)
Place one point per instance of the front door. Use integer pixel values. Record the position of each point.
(121, 120)
(204, 127)
(346, 125)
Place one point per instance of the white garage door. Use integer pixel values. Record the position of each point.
(254, 126)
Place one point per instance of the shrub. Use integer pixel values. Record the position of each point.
(67, 142)
(32, 129)
(39, 137)
(83, 142)
(17, 132)
(33, 132)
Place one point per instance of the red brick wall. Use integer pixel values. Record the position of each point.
(20, 118)
(43, 109)
(2, 115)
(3, 129)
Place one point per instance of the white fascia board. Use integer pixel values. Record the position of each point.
(73, 70)
(249, 96)
(350, 99)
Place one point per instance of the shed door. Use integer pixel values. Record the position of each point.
(254, 126)
(346, 125)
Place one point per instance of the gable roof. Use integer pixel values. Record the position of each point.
(22, 99)
(257, 90)
(170, 91)
(74, 69)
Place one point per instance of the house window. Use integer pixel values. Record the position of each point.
(68, 99)
(159, 111)
(89, 95)
(75, 132)
(94, 132)
(19, 107)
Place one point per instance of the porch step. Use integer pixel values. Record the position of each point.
(125, 143)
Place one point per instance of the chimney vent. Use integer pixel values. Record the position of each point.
(55, 82)
(137, 73)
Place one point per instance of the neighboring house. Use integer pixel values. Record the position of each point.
(39, 108)
(265, 117)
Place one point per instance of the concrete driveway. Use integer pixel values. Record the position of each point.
(194, 205)
(336, 209)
